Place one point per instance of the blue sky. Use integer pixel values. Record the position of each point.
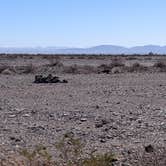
(82, 23)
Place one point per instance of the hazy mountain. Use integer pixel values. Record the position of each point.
(102, 49)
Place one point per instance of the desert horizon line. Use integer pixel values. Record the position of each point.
(84, 47)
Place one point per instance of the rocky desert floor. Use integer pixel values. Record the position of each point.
(109, 112)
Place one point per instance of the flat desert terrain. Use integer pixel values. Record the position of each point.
(121, 112)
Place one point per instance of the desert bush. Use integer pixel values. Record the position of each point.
(137, 67)
(74, 69)
(55, 61)
(25, 69)
(117, 63)
(3, 67)
(108, 68)
(161, 66)
(80, 69)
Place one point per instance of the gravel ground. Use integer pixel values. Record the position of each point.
(109, 112)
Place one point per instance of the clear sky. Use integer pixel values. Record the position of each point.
(82, 23)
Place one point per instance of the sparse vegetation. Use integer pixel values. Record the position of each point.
(70, 151)
(137, 67)
(55, 61)
(161, 66)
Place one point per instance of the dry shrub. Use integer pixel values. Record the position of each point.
(55, 61)
(104, 67)
(161, 66)
(86, 69)
(3, 67)
(6, 69)
(71, 69)
(117, 63)
(29, 69)
(137, 67)
(80, 69)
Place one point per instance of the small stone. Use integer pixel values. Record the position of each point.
(103, 141)
(101, 123)
(109, 137)
(26, 115)
(83, 119)
(97, 107)
(66, 114)
(12, 116)
(98, 125)
(149, 149)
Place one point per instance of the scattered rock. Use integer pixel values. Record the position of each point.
(15, 139)
(149, 149)
(105, 71)
(37, 129)
(103, 140)
(26, 115)
(83, 119)
(97, 107)
(101, 123)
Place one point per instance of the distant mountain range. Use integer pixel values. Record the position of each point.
(102, 49)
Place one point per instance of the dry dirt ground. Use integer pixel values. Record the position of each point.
(116, 112)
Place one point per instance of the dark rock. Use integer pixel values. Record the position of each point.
(15, 139)
(37, 129)
(64, 81)
(83, 119)
(103, 140)
(105, 71)
(101, 123)
(149, 149)
(97, 107)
